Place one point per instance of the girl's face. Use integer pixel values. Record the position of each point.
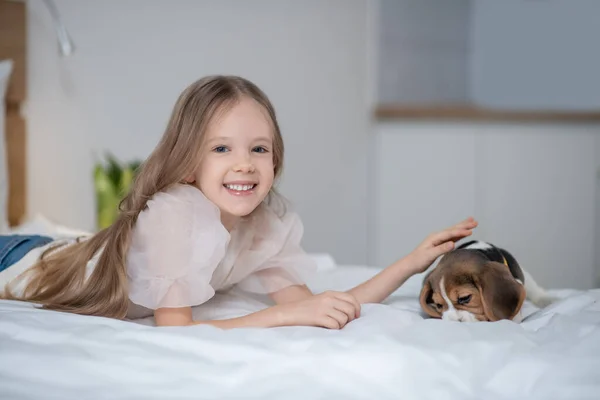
(237, 168)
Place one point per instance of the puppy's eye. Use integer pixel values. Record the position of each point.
(464, 299)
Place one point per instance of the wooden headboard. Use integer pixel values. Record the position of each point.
(13, 41)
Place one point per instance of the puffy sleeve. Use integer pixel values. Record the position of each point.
(177, 243)
(283, 260)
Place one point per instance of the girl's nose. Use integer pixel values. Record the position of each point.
(244, 167)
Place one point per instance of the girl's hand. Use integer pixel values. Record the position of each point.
(439, 243)
(330, 309)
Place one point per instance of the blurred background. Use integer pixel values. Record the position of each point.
(400, 117)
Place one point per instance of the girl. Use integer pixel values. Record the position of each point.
(202, 216)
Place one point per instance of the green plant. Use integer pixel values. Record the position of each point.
(112, 180)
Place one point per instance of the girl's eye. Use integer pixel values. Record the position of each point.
(220, 149)
(260, 149)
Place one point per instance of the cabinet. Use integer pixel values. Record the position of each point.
(533, 188)
(424, 178)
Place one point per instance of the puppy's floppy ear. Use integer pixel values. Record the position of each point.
(501, 295)
(426, 300)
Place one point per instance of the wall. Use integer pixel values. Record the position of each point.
(424, 55)
(116, 92)
(509, 53)
(535, 54)
(597, 202)
(134, 57)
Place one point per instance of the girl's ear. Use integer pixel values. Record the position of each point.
(189, 179)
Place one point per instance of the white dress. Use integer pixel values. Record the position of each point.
(181, 253)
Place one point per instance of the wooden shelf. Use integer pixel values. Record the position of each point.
(473, 113)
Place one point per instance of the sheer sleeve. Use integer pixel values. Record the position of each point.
(285, 263)
(177, 243)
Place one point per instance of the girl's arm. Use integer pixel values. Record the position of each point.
(328, 310)
(379, 287)
(375, 290)
(296, 305)
(266, 318)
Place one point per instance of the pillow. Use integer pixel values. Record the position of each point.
(5, 71)
(40, 225)
(324, 261)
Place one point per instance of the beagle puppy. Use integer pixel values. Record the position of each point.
(479, 282)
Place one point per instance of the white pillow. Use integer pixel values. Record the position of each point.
(5, 71)
(40, 225)
(324, 261)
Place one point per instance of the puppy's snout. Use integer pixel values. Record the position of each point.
(458, 316)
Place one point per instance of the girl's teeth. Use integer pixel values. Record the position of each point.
(239, 187)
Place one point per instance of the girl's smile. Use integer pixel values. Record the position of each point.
(240, 188)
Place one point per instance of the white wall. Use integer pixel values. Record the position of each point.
(134, 57)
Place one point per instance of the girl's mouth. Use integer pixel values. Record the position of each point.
(240, 189)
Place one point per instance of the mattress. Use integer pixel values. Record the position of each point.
(392, 351)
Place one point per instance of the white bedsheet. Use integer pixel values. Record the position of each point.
(391, 352)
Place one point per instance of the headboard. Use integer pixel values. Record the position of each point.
(13, 41)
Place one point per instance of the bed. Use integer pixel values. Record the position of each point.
(393, 351)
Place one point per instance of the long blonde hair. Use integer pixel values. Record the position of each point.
(58, 280)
